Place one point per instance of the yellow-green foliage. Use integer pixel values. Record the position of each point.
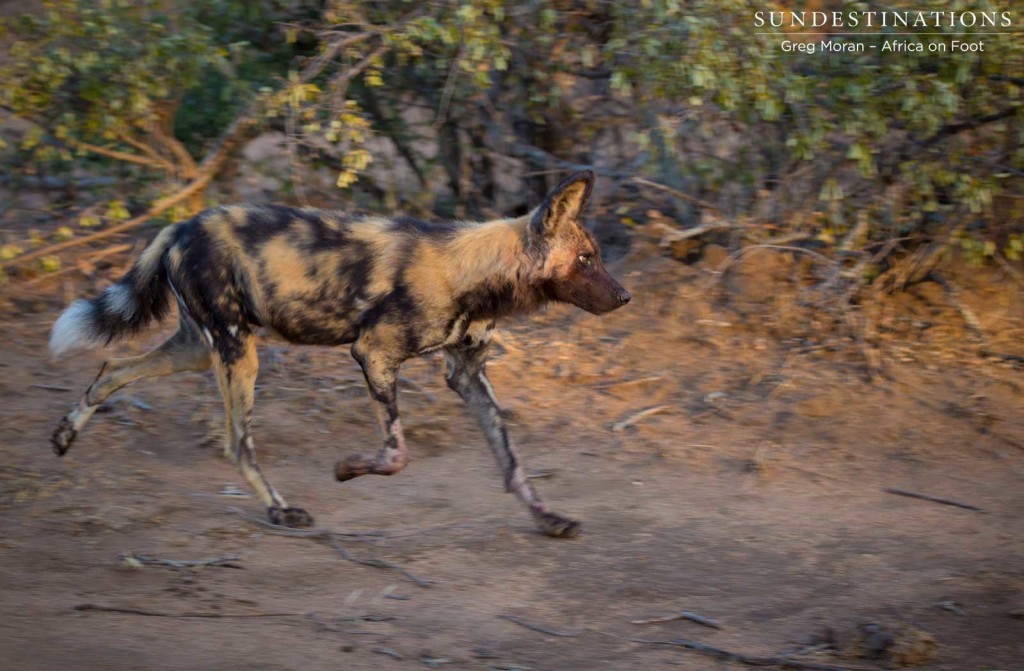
(93, 70)
(905, 136)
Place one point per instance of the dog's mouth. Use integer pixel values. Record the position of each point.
(606, 303)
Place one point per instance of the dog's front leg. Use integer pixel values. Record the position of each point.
(465, 375)
(381, 372)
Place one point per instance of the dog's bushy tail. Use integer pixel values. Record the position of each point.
(123, 309)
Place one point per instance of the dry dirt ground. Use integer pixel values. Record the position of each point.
(753, 496)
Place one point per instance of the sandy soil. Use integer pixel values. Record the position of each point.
(754, 496)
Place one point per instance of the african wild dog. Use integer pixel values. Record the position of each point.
(394, 288)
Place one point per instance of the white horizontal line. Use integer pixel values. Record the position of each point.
(801, 32)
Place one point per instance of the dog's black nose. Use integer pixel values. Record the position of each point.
(624, 297)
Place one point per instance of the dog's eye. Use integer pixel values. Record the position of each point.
(584, 259)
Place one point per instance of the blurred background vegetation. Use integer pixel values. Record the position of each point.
(133, 113)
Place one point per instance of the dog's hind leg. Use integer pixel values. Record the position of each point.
(236, 366)
(381, 374)
(465, 375)
(182, 351)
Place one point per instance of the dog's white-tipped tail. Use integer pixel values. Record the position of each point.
(123, 309)
(75, 329)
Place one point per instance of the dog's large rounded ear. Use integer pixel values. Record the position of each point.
(564, 204)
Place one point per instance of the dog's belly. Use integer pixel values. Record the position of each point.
(314, 323)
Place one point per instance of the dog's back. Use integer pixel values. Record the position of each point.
(319, 277)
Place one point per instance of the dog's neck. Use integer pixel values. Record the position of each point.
(491, 251)
(493, 267)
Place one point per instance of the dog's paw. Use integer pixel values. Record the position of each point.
(352, 466)
(63, 436)
(296, 518)
(556, 526)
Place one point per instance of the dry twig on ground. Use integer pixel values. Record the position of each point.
(156, 613)
(933, 499)
(683, 615)
(637, 417)
(539, 628)
(50, 387)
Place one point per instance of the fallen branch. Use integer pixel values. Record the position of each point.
(536, 627)
(157, 613)
(933, 499)
(228, 561)
(751, 660)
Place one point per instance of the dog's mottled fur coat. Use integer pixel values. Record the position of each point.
(394, 288)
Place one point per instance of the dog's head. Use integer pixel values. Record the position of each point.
(571, 270)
